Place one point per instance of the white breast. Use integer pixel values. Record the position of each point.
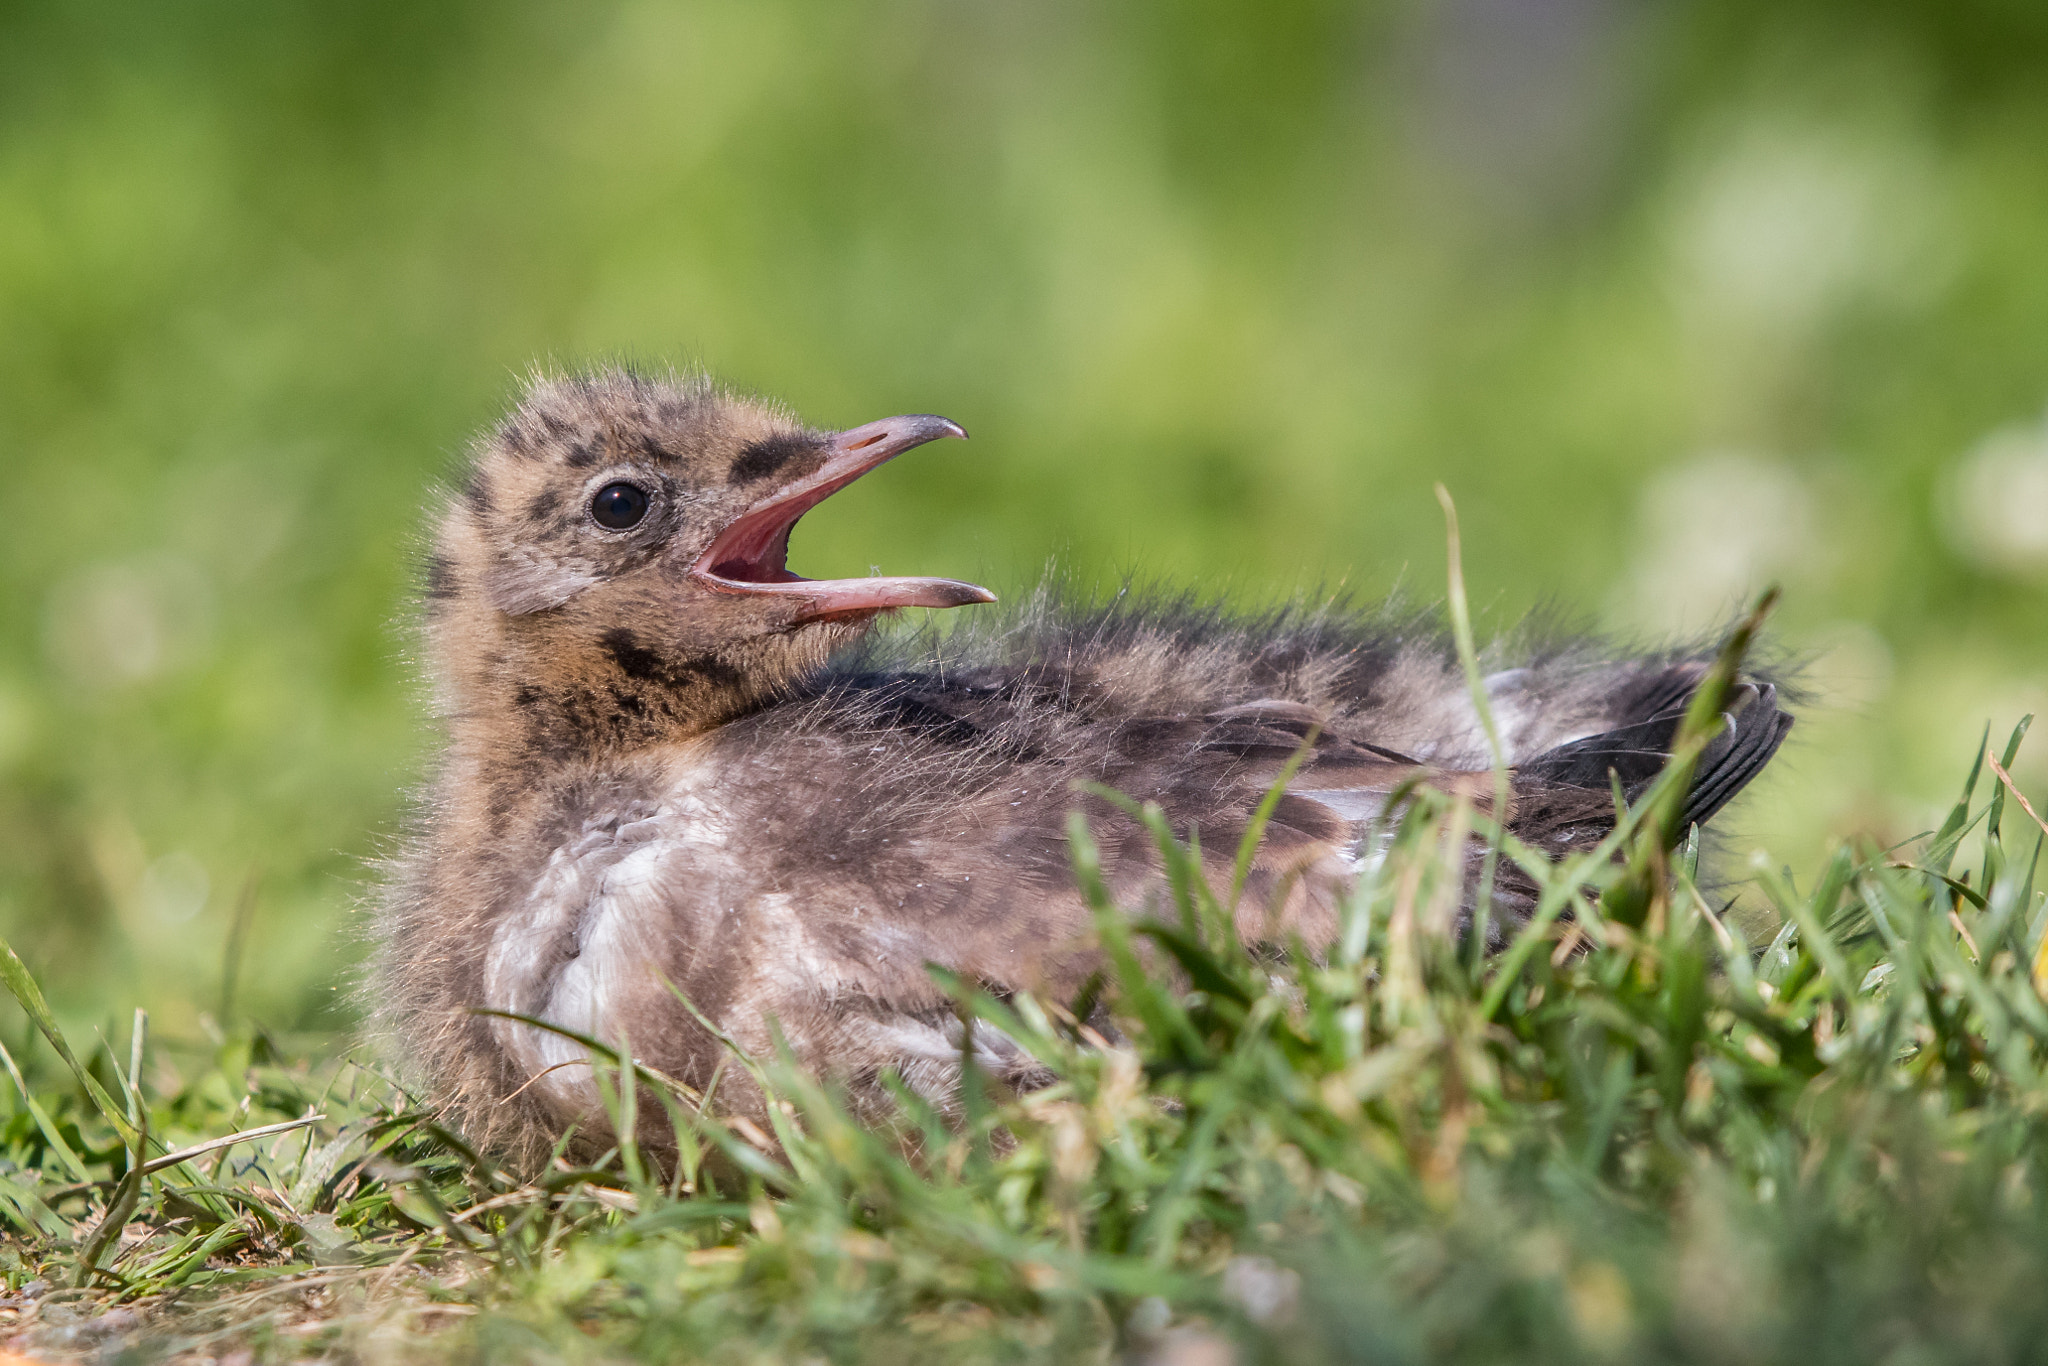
(589, 933)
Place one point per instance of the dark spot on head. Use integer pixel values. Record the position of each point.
(582, 455)
(476, 491)
(653, 449)
(526, 695)
(768, 455)
(545, 505)
(440, 577)
(634, 659)
(516, 440)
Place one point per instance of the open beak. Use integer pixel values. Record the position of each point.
(752, 554)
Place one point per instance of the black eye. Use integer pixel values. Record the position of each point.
(619, 506)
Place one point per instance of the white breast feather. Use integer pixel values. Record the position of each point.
(607, 889)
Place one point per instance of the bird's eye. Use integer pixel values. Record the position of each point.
(619, 506)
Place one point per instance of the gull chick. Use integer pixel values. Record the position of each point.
(673, 765)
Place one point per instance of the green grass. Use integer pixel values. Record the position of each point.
(1629, 1135)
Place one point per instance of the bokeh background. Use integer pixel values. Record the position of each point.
(1677, 298)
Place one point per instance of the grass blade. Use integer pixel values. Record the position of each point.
(15, 974)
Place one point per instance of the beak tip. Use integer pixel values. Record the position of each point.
(957, 594)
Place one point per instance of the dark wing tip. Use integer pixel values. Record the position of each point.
(1755, 727)
(1737, 755)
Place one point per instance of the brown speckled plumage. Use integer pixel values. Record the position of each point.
(669, 760)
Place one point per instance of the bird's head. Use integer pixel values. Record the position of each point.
(617, 561)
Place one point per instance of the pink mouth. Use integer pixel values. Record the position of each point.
(752, 555)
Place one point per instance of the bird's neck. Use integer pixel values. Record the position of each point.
(524, 710)
(525, 704)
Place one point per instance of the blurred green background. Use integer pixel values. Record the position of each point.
(1676, 297)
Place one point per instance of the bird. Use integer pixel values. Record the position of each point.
(674, 770)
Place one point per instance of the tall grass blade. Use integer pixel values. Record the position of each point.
(15, 974)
